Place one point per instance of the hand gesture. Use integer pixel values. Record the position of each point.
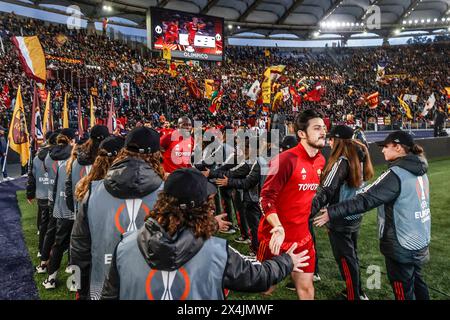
(298, 259)
(322, 219)
(277, 239)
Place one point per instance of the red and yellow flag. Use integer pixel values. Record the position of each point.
(19, 139)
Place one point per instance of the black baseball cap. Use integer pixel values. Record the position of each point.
(341, 132)
(142, 140)
(189, 186)
(399, 137)
(112, 145)
(68, 132)
(99, 132)
(288, 142)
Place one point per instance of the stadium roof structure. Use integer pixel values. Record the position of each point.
(294, 19)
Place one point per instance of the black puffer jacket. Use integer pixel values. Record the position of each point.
(84, 159)
(384, 191)
(128, 179)
(163, 252)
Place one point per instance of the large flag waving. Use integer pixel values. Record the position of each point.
(406, 108)
(36, 120)
(18, 136)
(31, 56)
(373, 100)
(65, 112)
(216, 101)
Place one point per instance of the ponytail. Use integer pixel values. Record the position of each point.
(417, 150)
(62, 139)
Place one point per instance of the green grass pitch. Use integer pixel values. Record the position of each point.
(436, 272)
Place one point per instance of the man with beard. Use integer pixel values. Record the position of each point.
(286, 199)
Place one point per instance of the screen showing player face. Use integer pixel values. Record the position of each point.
(187, 35)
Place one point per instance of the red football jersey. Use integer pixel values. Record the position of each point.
(177, 153)
(289, 192)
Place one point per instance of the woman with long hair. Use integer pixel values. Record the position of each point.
(402, 197)
(175, 256)
(348, 167)
(81, 164)
(115, 206)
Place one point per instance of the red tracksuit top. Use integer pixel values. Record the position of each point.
(289, 193)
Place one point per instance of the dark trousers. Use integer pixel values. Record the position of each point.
(62, 242)
(49, 237)
(2, 159)
(406, 280)
(241, 215)
(437, 129)
(344, 247)
(42, 220)
(227, 200)
(252, 212)
(311, 230)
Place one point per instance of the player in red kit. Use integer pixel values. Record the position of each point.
(286, 199)
(171, 34)
(192, 28)
(177, 146)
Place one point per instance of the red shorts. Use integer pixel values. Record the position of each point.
(264, 253)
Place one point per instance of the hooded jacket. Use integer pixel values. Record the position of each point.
(208, 266)
(56, 155)
(385, 192)
(37, 185)
(80, 168)
(332, 191)
(112, 207)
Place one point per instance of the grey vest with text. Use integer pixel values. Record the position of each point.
(109, 218)
(200, 278)
(411, 211)
(77, 173)
(52, 168)
(60, 209)
(41, 177)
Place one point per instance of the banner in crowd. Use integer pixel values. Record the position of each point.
(266, 87)
(380, 72)
(65, 123)
(405, 107)
(36, 120)
(315, 95)
(372, 100)
(125, 90)
(194, 90)
(410, 97)
(31, 56)
(216, 102)
(286, 94)
(92, 118)
(63, 59)
(6, 101)
(254, 90)
(429, 104)
(167, 54)
(18, 137)
(209, 88)
(277, 100)
(48, 117)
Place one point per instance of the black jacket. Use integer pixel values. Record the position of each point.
(127, 179)
(329, 191)
(250, 183)
(84, 159)
(384, 191)
(31, 184)
(167, 253)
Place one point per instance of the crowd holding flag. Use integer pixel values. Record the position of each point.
(65, 119)
(48, 116)
(429, 104)
(209, 88)
(92, 118)
(216, 101)
(18, 137)
(373, 100)
(405, 107)
(37, 135)
(32, 57)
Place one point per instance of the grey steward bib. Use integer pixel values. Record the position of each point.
(110, 218)
(346, 192)
(199, 278)
(52, 168)
(77, 173)
(60, 210)
(41, 177)
(411, 211)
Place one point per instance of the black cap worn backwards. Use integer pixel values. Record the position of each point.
(398, 137)
(341, 132)
(112, 145)
(142, 140)
(99, 133)
(189, 186)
